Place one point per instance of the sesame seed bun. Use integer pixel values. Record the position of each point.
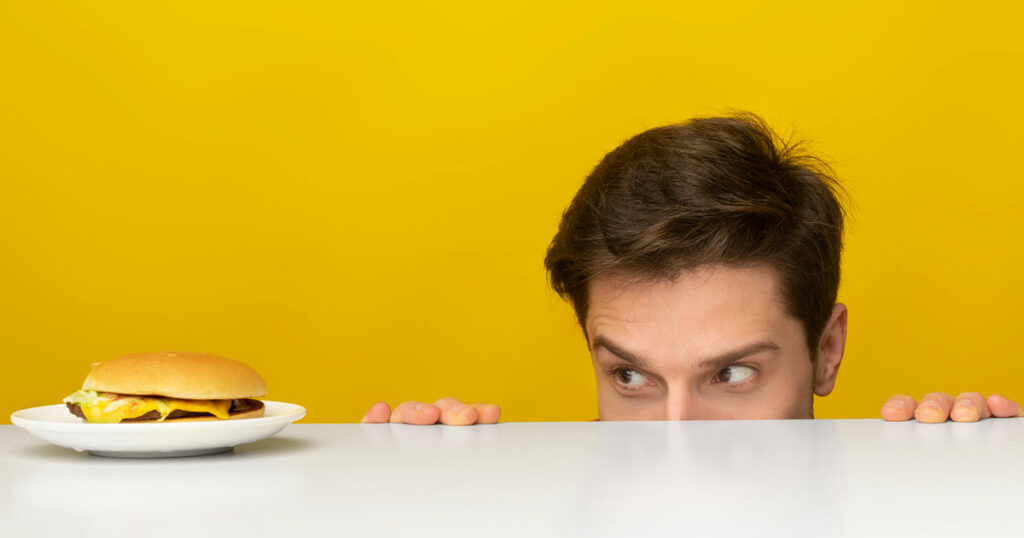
(194, 376)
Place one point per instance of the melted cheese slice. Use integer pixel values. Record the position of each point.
(108, 407)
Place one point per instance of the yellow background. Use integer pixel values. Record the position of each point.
(356, 199)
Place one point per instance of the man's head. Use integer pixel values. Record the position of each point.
(702, 260)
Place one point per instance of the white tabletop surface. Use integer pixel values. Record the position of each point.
(856, 478)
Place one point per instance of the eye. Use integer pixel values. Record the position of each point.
(629, 378)
(734, 374)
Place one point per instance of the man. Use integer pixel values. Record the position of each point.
(702, 261)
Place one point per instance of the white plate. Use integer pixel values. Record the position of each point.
(57, 425)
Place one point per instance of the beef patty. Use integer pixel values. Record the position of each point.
(237, 406)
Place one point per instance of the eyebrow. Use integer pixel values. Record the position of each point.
(720, 361)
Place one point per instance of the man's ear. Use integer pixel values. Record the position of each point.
(830, 351)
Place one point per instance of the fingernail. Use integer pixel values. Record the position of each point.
(895, 404)
(931, 404)
(417, 406)
(965, 404)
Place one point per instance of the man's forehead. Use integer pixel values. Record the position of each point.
(711, 301)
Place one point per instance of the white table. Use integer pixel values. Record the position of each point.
(856, 478)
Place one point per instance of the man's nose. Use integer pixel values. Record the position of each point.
(682, 405)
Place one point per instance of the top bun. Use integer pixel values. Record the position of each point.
(194, 376)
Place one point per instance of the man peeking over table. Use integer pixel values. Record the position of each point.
(702, 261)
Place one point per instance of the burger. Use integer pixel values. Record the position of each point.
(168, 387)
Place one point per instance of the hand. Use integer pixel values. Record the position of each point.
(448, 411)
(937, 406)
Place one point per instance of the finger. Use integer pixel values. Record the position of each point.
(487, 413)
(934, 407)
(379, 412)
(969, 407)
(899, 408)
(1003, 407)
(456, 413)
(415, 413)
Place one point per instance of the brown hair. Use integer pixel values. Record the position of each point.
(720, 190)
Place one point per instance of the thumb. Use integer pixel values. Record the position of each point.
(379, 412)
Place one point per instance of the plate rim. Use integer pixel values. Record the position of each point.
(297, 412)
